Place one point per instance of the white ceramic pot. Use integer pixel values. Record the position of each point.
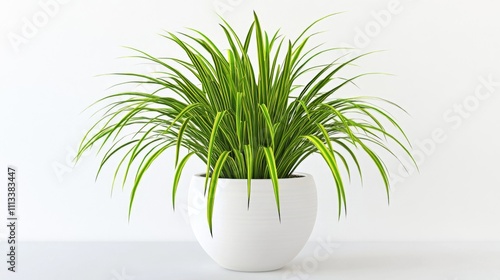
(253, 239)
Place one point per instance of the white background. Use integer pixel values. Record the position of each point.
(438, 50)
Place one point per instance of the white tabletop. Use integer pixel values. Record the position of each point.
(318, 260)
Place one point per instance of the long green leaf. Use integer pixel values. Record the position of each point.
(213, 186)
(332, 164)
(271, 165)
(177, 177)
(215, 128)
(249, 168)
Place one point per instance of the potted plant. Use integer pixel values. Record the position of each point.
(241, 110)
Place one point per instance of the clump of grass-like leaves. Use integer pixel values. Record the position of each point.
(244, 117)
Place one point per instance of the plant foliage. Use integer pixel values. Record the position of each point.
(245, 117)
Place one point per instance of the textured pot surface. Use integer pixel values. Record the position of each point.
(253, 238)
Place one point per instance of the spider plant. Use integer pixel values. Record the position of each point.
(244, 116)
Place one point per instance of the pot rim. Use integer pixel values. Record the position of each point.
(301, 175)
